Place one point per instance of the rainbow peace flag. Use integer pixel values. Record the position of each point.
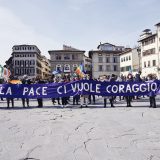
(79, 70)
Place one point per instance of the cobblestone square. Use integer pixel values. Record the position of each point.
(72, 133)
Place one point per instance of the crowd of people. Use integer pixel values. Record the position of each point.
(85, 100)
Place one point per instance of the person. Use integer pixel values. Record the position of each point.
(152, 95)
(25, 81)
(40, 100)
(105, 79)
(10, 99)
(76, 97)
(1, 82)
(92, 96)
(84, 97)
(129, 98)
(112, 79)
(119, 79)
(64, 99)
(138, 79)
(56, 80)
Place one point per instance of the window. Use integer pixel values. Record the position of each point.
(128, 68)
(108, 68)
(32, 62)
(16, 63)
(100, 68)
(154, 62)
(21, 63)
(123, 69)
(67, 68)
(100, 54)
(144, 64)
(129, 57)
(107, 59)
(148, 63)
(16, 71)
(58, 67)
(124, 59)
(100, 59)
(58, 57)
(26, 63)
(66, 56)
(114, 59)
(121, 59)
(114, 68)
(149, 51)
(75, 67)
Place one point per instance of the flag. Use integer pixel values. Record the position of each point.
(1, 71)
(58, 71)
(54, 72)
(80, 70)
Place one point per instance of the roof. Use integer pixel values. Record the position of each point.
(104, 44)
(101, 51)
(57, 51)
(27, 45)
(153, 35)
(157, 24)
(126, 51)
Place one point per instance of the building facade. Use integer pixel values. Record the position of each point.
(66, 60)
(87, 65)
(150, 52)
(106, 60)
(26, 61)
(46, 68)
(129, 61)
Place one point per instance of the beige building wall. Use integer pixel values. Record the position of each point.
(95, 65)
(46, 69)
(75, 58)
(151, 63)
(129, 62)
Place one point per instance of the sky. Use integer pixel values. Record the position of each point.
(82, 24)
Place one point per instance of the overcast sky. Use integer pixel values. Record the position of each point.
(82, 24)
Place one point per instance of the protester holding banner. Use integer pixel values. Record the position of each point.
(138, 79)
(40, 100)
(56, 80)
(92, 97)
(25, 81)
(105, 79)
(84, 97)
(10, 99)
(112, 79)
(151, 94)
(76, 97)
(129, 98)
(1, 82)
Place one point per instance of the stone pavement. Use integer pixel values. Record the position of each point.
(94, 133)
